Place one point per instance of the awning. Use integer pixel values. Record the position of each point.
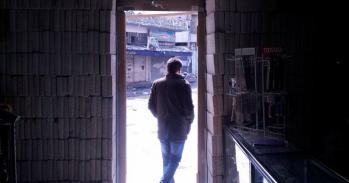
(157, 53)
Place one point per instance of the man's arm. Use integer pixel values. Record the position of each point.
(152, 101)
(189, 104)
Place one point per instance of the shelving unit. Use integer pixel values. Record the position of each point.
(256, 86)
(8, 171)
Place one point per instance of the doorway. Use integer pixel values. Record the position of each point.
(145, 62)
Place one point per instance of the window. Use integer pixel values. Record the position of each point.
(136, 39)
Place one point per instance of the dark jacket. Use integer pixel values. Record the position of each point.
(171, 103)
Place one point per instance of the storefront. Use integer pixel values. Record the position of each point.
(147, 65)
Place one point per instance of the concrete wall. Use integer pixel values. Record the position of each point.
(242, 24)
(55, 70)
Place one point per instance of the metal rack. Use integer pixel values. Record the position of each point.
(258, 106)
(8, 147)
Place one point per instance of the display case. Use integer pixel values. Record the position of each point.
(247, 162)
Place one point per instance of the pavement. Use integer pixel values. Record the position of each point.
(144, 162)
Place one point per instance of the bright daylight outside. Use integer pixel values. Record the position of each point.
(151, 39)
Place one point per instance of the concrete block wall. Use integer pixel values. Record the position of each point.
(56, 72)
(232, 24)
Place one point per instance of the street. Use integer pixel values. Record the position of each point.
(144, 161)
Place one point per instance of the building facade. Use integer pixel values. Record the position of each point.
(150, 42)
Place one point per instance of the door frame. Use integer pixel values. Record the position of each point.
(121, 97)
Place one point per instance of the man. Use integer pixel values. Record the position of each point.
(171, 103)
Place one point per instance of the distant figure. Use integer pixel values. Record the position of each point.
(171, 103)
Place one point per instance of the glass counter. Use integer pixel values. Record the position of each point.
(254, 158)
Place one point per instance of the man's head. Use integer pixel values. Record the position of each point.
(174, 65)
